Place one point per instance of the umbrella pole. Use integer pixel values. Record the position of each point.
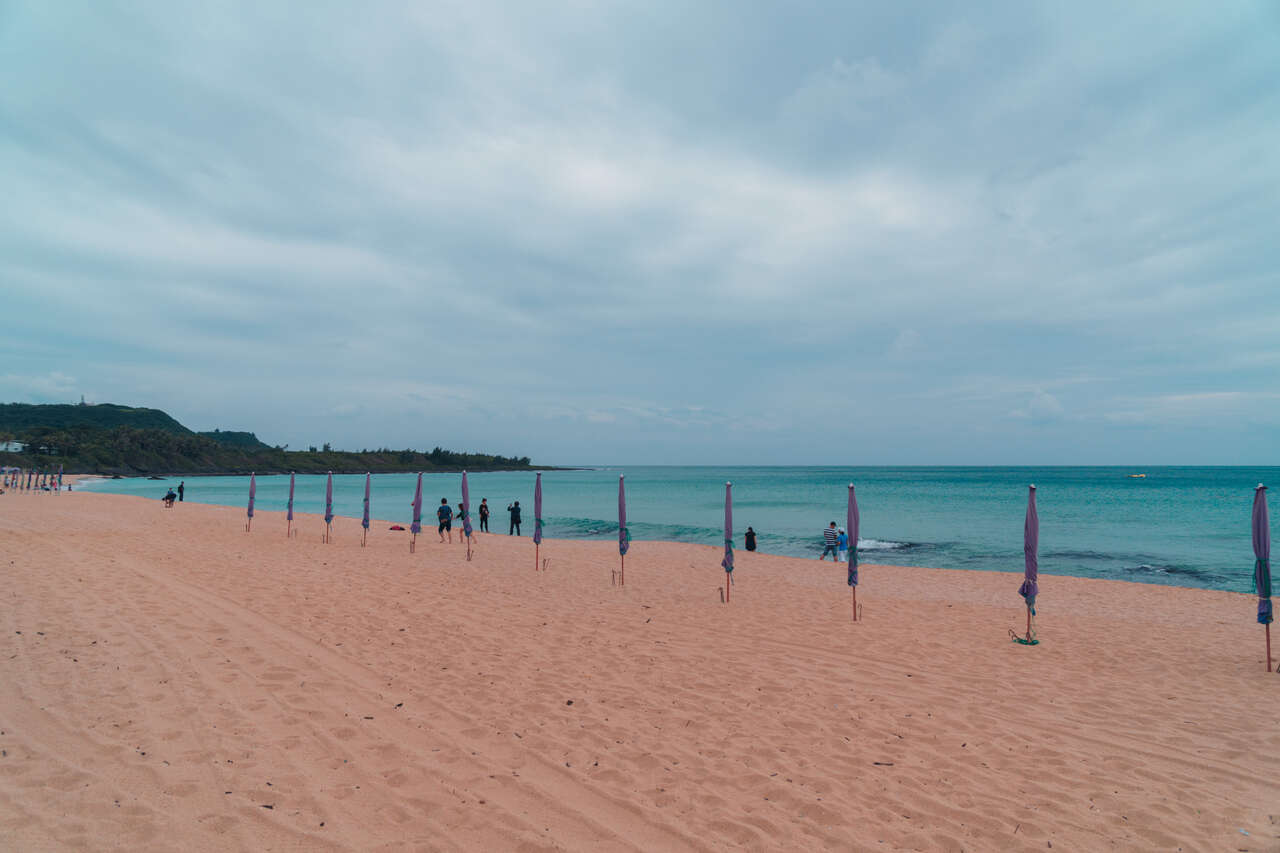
(536, 548)
(622, 573)
(364, 535)
(413, 543)
(854, 602)
(728, 586)
(1028, 623)
(1268, 627)
(288, 530)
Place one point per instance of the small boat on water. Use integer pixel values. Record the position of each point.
(1137, 476)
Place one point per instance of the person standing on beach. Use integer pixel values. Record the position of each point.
(750, 538)
(458, 515)
(484, 514)
(842, 546)
(514, 509)
(831, 538)
(446, 519)
(182, 489)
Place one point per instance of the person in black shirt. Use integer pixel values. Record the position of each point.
(751, 539)
(484, 514)
(514, 509)
(181, 490)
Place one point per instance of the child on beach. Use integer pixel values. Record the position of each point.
(446, 518)
(842, 547)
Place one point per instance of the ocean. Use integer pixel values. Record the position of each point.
(1176, 526)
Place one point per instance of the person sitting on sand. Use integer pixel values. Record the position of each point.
(842, 547)
(830, 538)
(446, 519)
(169, 498)
(750, 538)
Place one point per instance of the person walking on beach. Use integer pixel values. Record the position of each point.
(831, 538)
(750, 538)
(484, 514)
(842, 547)
(514, 509)
(182, 489)
(446, 519)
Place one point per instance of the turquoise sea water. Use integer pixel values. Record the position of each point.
(1178, 526)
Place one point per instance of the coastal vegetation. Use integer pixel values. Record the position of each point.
(109, 439)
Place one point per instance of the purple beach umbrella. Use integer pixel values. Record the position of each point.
(288, 530)
(253, 490)
(727, 562)
(364, 520)
(328, 508)
(1030, 549)
(851, 523)
(466, 512)
(1262, 565)
(537, 520)
(624, 535)
(415, 526)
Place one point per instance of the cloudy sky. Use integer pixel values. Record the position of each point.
(651, 232)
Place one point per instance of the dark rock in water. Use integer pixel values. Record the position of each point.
(116, 477)
(154, 477)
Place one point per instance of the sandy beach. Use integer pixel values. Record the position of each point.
(172, 682)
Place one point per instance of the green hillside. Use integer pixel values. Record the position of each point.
(232, 438)
(16, 418)
(68, 436)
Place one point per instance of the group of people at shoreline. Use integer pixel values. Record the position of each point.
(446, 514)
(836, 543)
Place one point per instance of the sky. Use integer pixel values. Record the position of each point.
(654, 232)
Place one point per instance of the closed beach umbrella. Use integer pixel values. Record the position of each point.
(328, 500)
(288, 530)
(364, 520)
(624, 535)
(253, 490)
(1262, 566)
(466, 512)
(537, 520)
(851, 523)
(328, 508)
(1030, 549)
(727, 562)
(415, 527)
